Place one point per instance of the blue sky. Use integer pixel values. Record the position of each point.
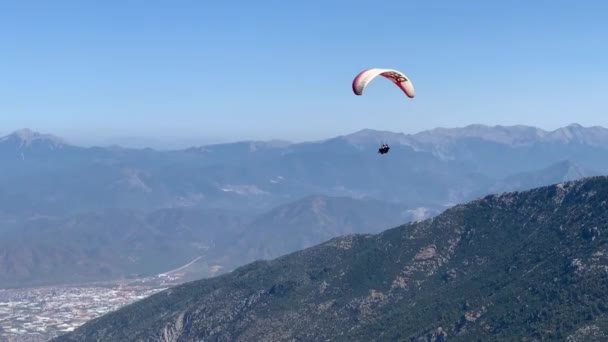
(283, 69)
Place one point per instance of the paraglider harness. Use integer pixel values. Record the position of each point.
(383, 149)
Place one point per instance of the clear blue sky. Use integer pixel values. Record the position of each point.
(283, 69)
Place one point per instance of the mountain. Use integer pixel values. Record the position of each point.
(25, 144)
(109, 244)
(118, 243)
(577, 134)
(429, 169)
(516, 135)
(245, 176)
(27, 139)
(507, 135)
(562, 171)
(516, 266)
(46, 183)
(499, 151)
(310, 221)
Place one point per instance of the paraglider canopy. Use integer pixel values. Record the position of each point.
(397, 77)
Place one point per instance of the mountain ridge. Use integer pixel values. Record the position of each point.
(311, 220)
(250, 179)
(568, 133)
(25, 137)
(529, 265)
(117, 243)
(561, 171)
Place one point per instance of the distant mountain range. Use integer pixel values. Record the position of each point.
(118, 243)
(555, 173)
(434, 168)
(109, 244)
(49, 187)
(310, 221)
(525, 266)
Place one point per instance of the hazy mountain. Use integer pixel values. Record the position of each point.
(46, 182)
(499, 151)
(556, 173)
(117, 243)
(252, 176)
(430, 169)
(516, 135)
(508, 135)
(24, 139)
(109, 244)
(310, 221)
(518, 266)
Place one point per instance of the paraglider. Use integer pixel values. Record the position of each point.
(383, 149)
(397, 77)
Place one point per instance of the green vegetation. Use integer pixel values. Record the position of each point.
(517, 266)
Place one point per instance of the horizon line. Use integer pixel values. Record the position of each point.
(65, 141)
